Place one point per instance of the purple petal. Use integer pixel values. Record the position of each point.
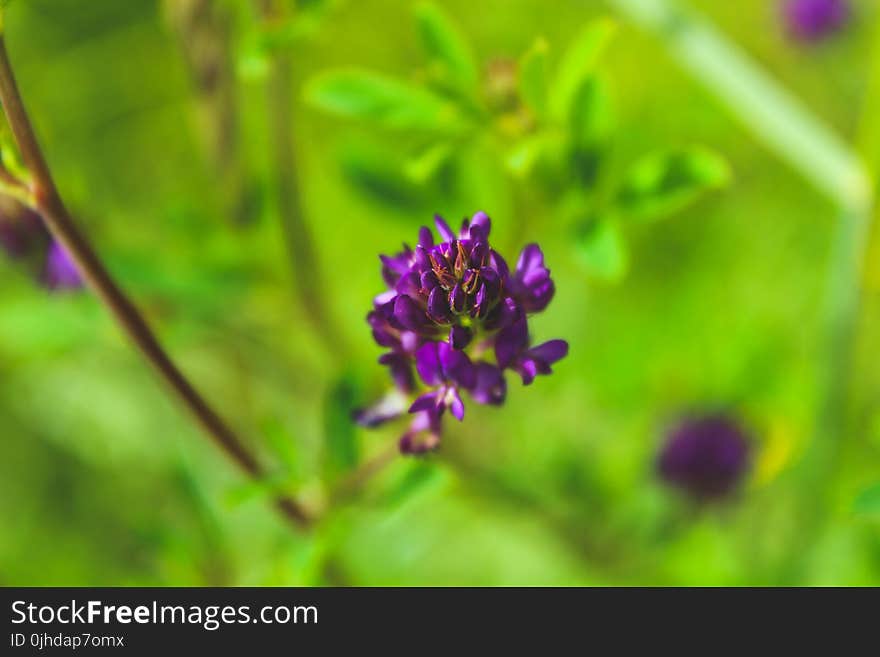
(499, 264)
(528, 370)
(511, 342)
(428, 364)
(409, 284)
(444, 229)
(482, 223)
(503, 314)
(457, 299)
(438, 308)
(456, 366)
(401, 370)
(491, 387)
(460, 337)
(425, 425)
(549, 352)
(479, 254)
(426, 402)
(426, 238)
(456, 406)
(408, 313)
(60, 272)
(530, 258)
(388, 408)
(428, 281)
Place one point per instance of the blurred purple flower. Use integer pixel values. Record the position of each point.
(21, 231)
(60, 272)
(24, 237)
(450, 306)
(813, 20)
(706, 456)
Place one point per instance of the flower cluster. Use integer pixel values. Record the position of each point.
(24, 237)
(454, 318)
(705, 456)
(812, 20)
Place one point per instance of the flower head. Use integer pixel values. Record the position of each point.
(813, 20)
(706, 456)
(457, 317)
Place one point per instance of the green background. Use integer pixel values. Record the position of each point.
(104, 479)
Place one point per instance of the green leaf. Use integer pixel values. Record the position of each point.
(261, 489)
(418, 479)
(281, 443)
(447, 48)
(525, 155)
(664, 183)
(532, 77)
(383, 100)
(601, 249)
(590, 118)
(424, 166)
(382, 178)
(341, 448)
(867, 503)
(578, 63)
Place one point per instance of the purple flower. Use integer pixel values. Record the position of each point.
(706, 456)
(512, 350)
(813, 20)
(446, 370)
(22, 233)
(531, 283)
(60, 272)
(450, 306)
(24, 237)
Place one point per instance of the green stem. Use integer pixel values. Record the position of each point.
(297, 236)
(48, 202)
(204, 30)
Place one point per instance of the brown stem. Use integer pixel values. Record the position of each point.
(49, 204)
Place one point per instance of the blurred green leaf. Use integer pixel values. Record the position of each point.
(383, 100)
(262, 489)
(427, 163)
(666, 182)
(577, 64)
(532, 77)
(417, 479)
(341, 448)
(382, 177)
(602, 250)
(447, 48)
(867, 503)
(282, 444)
(526, 153)
(590, 118)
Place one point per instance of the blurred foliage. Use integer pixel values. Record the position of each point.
(569, 129)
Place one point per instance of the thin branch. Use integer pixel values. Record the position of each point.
(60, 224)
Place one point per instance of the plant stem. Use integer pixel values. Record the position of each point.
(204, 30)
(297, 236)
(60, 224)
